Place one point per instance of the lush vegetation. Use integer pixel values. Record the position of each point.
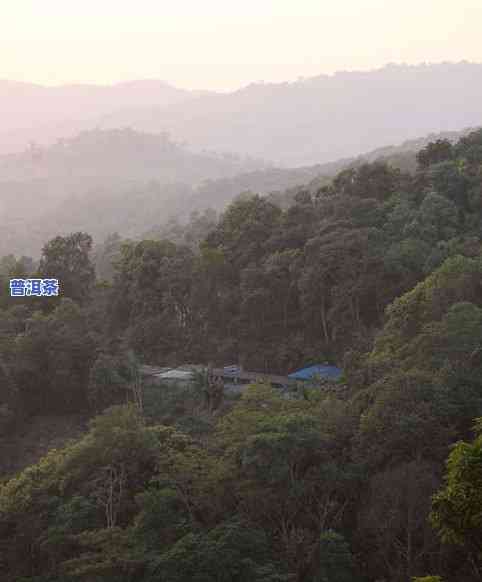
(379, 272)
(141, 184)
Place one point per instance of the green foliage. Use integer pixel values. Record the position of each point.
(53, 358)
(406, 419)
(76, 492)
(153, 285)
(393, 519)
(377, 180)
(272, 287)
(162, 519)
(11, 267)
(457, 280)
(73, 517)
(457, 508)
(288, 453)
(379, 270)
(434, 153)
(67, 259)
(106, 255)
(230, 552)
(106, 384)
(105, 555)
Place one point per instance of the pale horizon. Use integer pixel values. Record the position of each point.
(221, 47)
(276, 80)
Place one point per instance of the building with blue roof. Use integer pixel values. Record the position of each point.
(318, 371)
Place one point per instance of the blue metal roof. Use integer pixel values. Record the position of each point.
(330, 372)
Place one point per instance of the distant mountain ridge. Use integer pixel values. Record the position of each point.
(119, 155)
(79, 101)
(310, 121)
(36, 113)
(324, 118)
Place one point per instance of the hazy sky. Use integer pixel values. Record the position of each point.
(224, 44)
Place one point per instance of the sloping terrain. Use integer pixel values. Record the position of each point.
(125, 181)
(324, 118)
(310, 121)
(34, 113)
(31, 441)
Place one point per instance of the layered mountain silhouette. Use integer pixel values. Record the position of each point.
(34, 113)
(133, 156)
(306, 122)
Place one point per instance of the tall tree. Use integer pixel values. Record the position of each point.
(457, 508)
(68, 260)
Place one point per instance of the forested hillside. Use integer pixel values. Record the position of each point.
(134, 180)
(142, 183)
(377, 479)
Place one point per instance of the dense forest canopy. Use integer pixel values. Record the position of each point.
(377, 477)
